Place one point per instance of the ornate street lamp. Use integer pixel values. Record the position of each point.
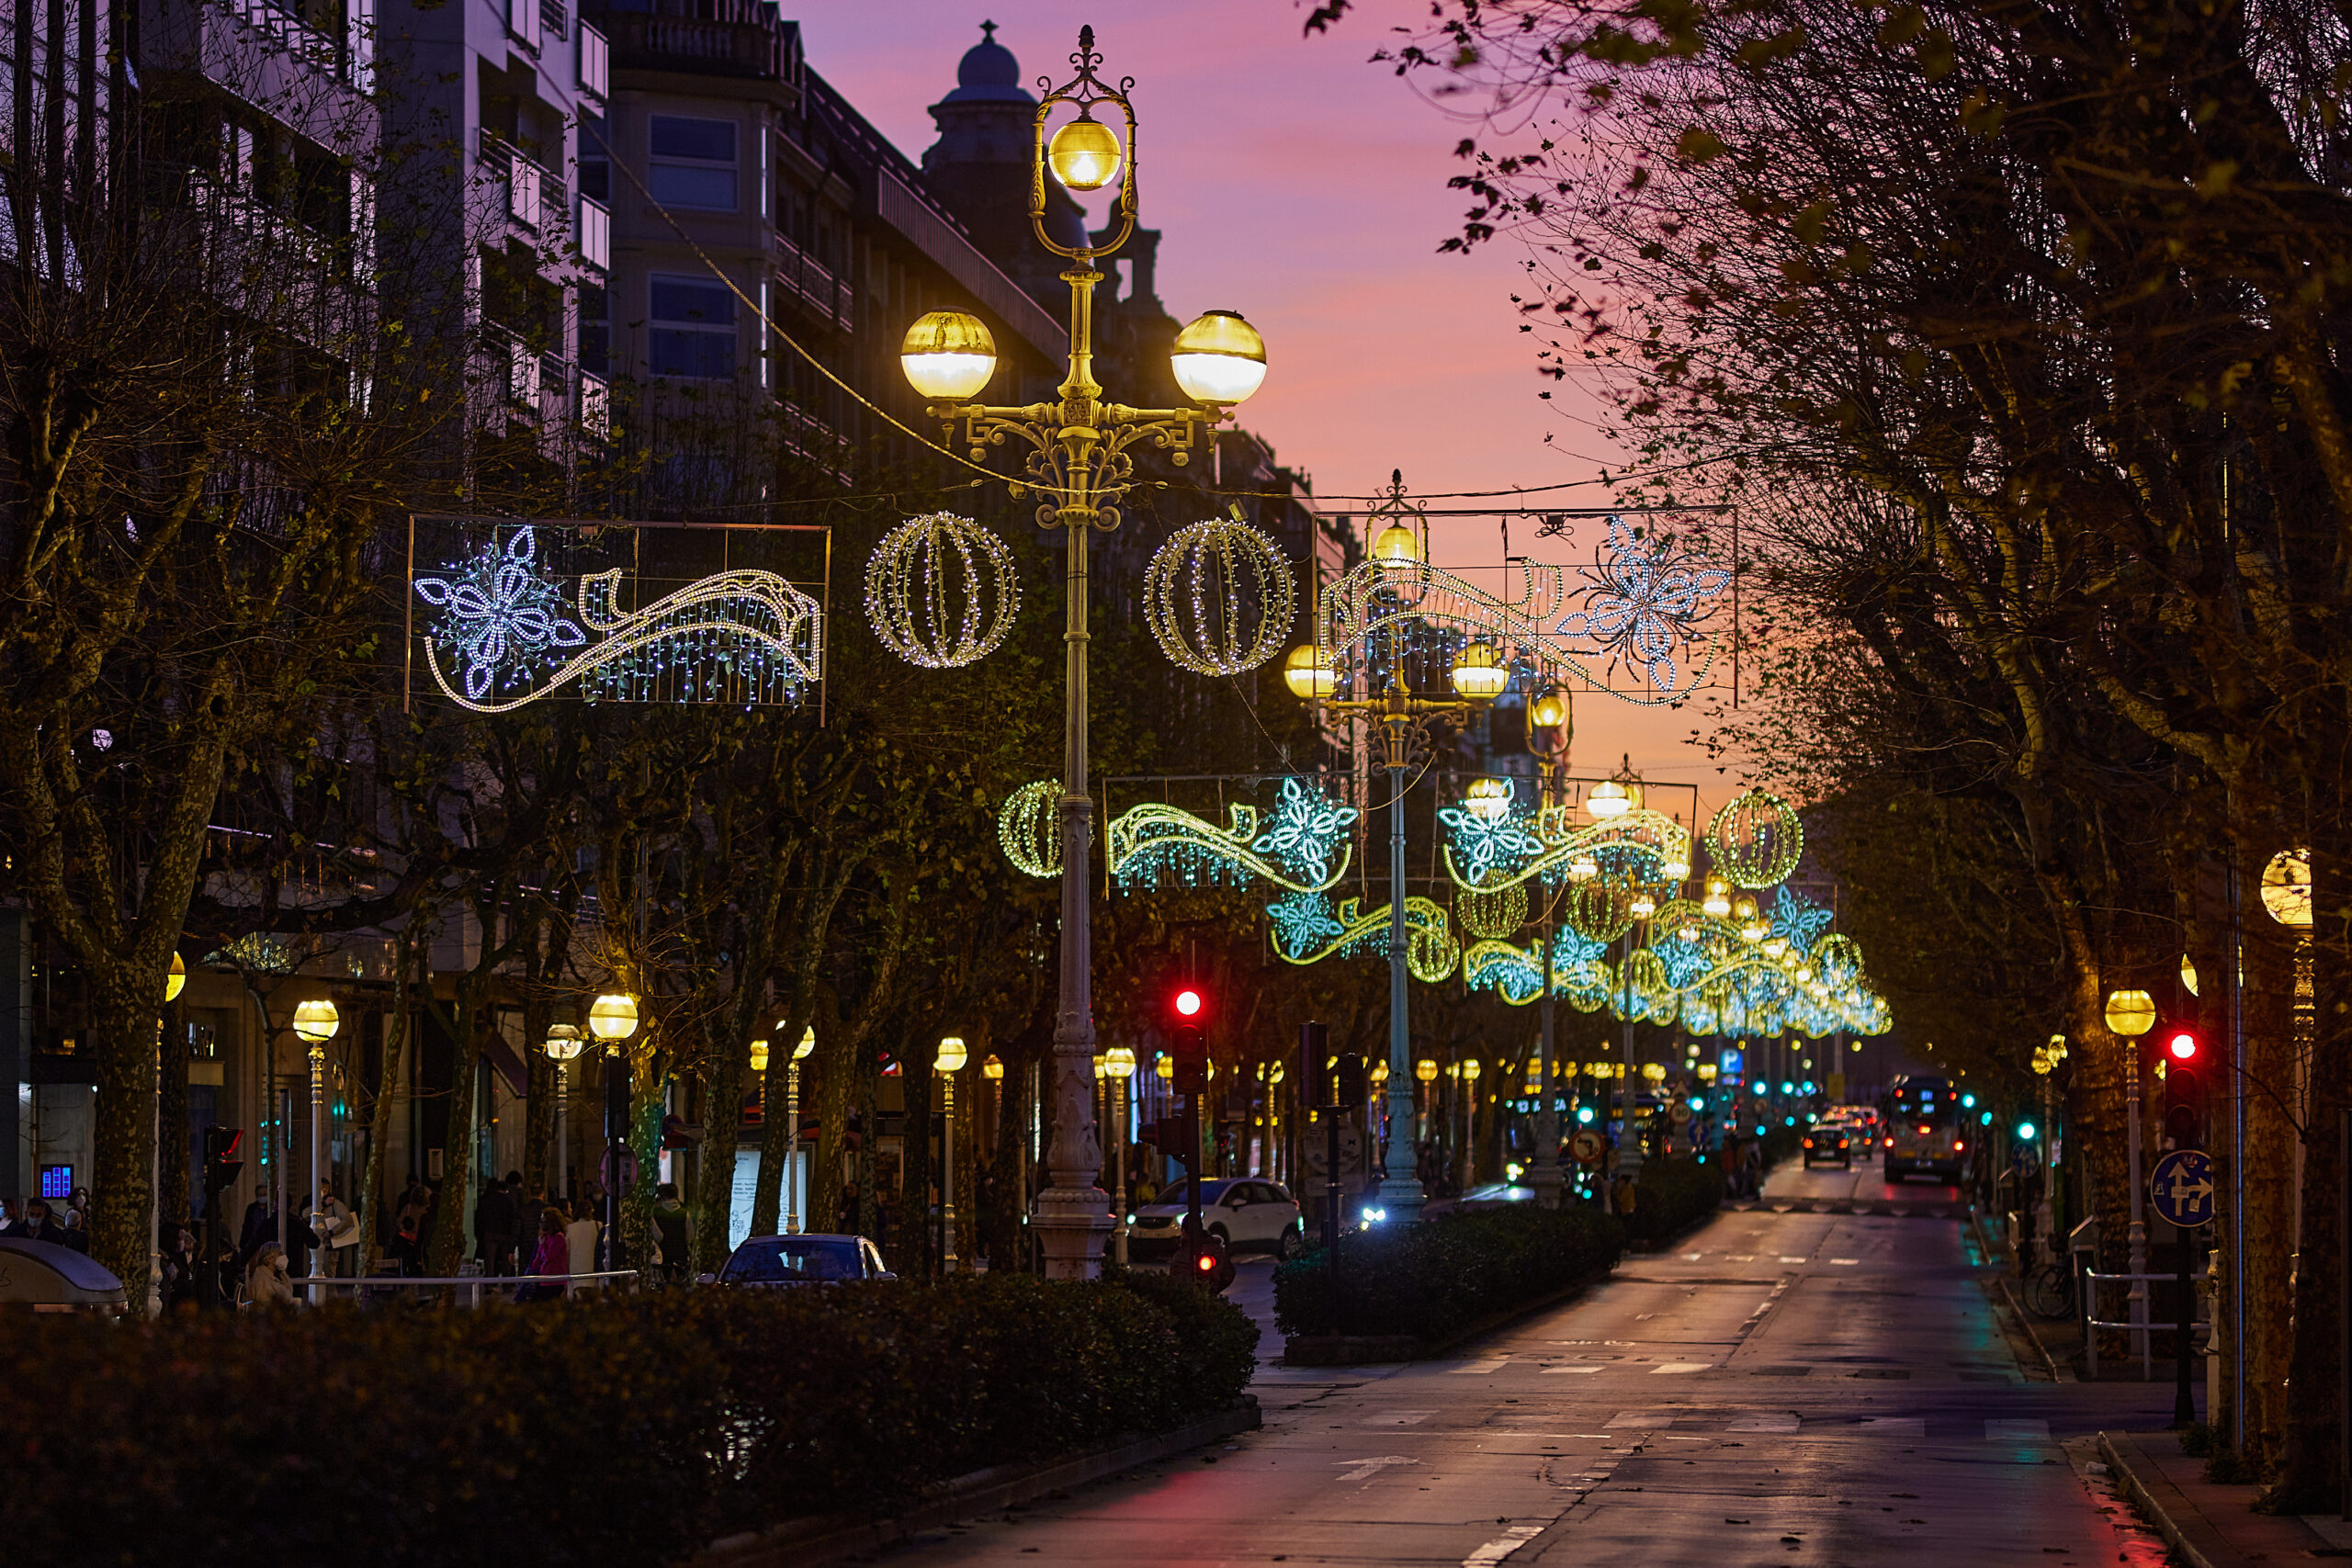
(1079, 457)
(612, 1017)
(792, 1178)
(1119, 1065)
(316, 1022)
(563, 1044)
(947, 1063)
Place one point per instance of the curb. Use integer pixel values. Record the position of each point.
(2025, 1327)
(2186, 1531)
(828, 1538)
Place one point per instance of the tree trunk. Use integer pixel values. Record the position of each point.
(123, 1008)
(775, 1135)
(917, 1172)
(648, 1086)
(450, 1206)
(727, 1043)
(391, 1074)
(2270, 1140)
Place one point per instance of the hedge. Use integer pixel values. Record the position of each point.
(1430, 1280)
(1671, 1195)
(632, 1429)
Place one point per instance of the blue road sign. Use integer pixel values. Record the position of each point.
(2181, 1187)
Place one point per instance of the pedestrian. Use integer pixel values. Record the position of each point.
(673, 1227)
(266, 1284)
(11, 1217)
(338, 1230)
(552, 1259)
(259, 1225)
(847, 1221)
(495, 1222)
(77, 1235)
(406, 1250)
(39, 1226)
(580, 1236)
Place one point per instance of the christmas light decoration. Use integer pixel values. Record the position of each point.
(1491, 914)
(734, 636)
(928, 588)
(1029, 826)
(1755, 841)
(1218, 597)
(1643, 602)
(1303, 847)
(1306, 930)
(1483, 838)
(1798, 920)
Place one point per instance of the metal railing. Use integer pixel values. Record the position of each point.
(2139, 1331)
(470, 1287)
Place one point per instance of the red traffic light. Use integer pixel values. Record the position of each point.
(1188, 1002)
(2181, 1045)
(1206, 1263)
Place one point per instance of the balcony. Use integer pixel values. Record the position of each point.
(535, 198)
(808, 282)
(522, 23)
(737, 42)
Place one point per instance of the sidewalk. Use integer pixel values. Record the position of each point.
(2209, 1524)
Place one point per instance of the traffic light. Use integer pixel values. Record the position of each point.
(1351, 1088)
(1202, 1256)
(1188, 1002)
(1190, 1051)
(2183, 1049)
(1314, 1050)
(221, 1164)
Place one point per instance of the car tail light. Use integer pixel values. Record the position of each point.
(1957, 1146)
(1889, 1143)
(1925, 1131)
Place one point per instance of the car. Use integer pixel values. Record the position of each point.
(1827, 1141)
(786, 1260)
(1250, 1215)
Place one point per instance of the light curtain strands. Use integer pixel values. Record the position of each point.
(742, 636)
(1756, 840)
(1650, 834)
(929, 586)
(1304, 930)
(1218, 597)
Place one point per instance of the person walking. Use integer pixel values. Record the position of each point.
(338, 1232)
(260, 1224)
(580, 1236)
(266, 1282)
(673, 1228)
(551, 1260)
(12, 1219)
(77, 1235)
(40, 1225)
(495, 1223)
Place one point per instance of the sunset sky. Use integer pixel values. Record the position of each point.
(1296, 183)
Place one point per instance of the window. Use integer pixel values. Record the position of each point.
(595, 330)
(692, 163)
(694, 328)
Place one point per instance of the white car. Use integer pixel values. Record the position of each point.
(1252, 1216)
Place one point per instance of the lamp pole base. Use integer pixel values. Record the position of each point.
(1071, 1224)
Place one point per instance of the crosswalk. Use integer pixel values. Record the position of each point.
(1853, 1206)
(1790, 1423)
(1668, 1363)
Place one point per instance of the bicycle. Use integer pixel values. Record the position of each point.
(2050, 1290)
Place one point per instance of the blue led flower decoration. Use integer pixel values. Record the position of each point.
(1306, 829)
(1482, 842)
(1798, 920)
(504, 618)
(1643, 604)
(1303, 923)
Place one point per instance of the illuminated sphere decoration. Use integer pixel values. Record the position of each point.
(1029, 826)
(1493, 916)
(1755, 841)
(941, 590)
(2287, 889)
(1218, 597)
(2131, 1013)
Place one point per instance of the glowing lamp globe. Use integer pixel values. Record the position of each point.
(1084, 154)
(1489, 799)
(1675, 868)
(613, 1017)
(1584, 868)
(2131, 1013)
(1309, 674)
(1426, 1070)
(1718, 900)
(1397, 546)
(1608, 799)
(758, 1055)
(1480, 673)
(1643, 905)
(1119, 1062)
(1166, 1067)
(563, 1042)
(1470, 1069)
(1218, 358)
(948, 354)
(1379, 1072)
(1551, 709)
(175, 980)
(807, 1043)
(316, 1021)
(992, 1069)
(951, 1054)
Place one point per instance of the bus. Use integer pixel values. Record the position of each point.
(1923, 1130)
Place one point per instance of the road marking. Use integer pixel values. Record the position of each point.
(1588, 1367)
(1365, 1469)
(1502, 1546)
(1683, 1367)
(1401, 1418)
(1846, 1262)
(1896, 1425)
(1731, 1257)
(1791, 1259)
(1475, 1368)
(1688, 1257)
(1641, 1418)
(2016, 1431)
(1766, 1421)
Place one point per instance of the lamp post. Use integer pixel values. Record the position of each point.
(612, 1017)
(175, 981)
(316, 1022)
(792, 1134)
(563, 1045)
(1478, 676)
(947, 1063)
(1551, 721)
(2131, 1014)
(1080, 459)
(1119, 1064)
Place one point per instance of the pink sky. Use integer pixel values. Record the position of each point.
(1305, 188)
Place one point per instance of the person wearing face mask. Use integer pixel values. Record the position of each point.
(40, 1225)
(267, 1283)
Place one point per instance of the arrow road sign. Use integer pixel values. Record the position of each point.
(1585, 1147)
(2181, 1187)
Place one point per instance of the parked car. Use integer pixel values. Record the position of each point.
(1827, 1141)
(766, 1260)
(1251, 1215)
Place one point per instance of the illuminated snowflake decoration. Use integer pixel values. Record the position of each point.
(1303, 923)
(504, 618)
(1481, 844)
(1798, 920)
(1643, 604)
(1306, 829)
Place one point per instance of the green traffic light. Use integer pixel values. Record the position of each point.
(2025, 1131)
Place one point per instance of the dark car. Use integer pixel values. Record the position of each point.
(802, 1260)
(1829, 1141)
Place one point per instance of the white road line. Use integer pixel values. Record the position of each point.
(1400, 1419)
(1588, 1367)
(1641, 1418)
(1787, 1259)
(1502, 1546)
(1365, 1469)
(1728, 1257)
(1682, 1367)
(2016, 1431)
(1688, 1257)
(1475, 1368)
(1846, 1262)
(1766, 1421)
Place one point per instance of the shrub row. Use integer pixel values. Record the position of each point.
(1671, 1195)
(1430, 1280)
(628, 1431)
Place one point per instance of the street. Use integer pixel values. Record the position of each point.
(1791, 1387)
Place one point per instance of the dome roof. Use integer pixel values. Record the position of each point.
(989, 74)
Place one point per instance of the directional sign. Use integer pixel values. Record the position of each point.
(1587, 1147)
(2181, 1187)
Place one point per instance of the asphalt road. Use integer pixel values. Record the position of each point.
(1784, 1386)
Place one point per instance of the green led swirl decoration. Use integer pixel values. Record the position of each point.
(1755, 841)
(1651, 835)
(1029, 826)
(1304, 930)
(1303, 846)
